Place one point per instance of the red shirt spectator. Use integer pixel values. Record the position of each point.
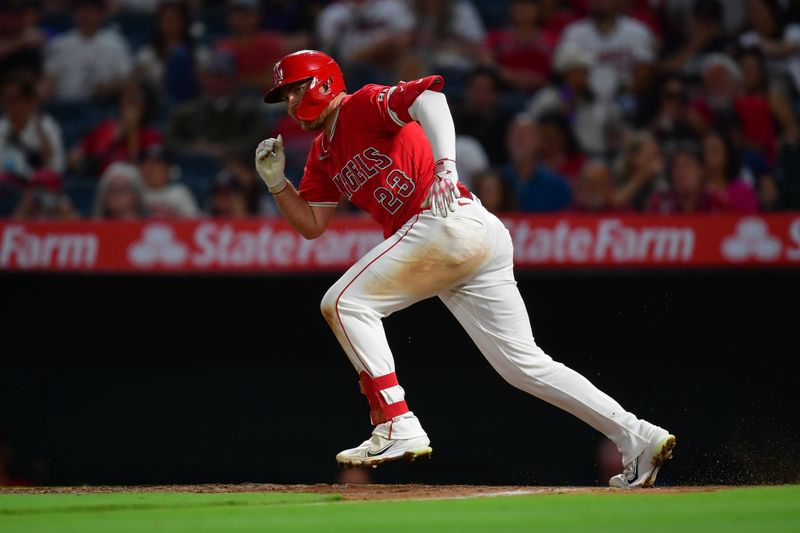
(688, 190)
(523, 49)
(254, 52)
(256, 55)
(756, 121)
(517, 52)
(109, 143)
(119, 139)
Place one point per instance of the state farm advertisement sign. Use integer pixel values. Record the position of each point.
(268, 245)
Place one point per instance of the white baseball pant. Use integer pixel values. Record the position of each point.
(466, 260)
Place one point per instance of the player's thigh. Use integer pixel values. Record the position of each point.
(368, 282)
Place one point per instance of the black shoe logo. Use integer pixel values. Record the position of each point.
(373, 454)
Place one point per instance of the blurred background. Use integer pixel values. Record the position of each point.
(130, 122)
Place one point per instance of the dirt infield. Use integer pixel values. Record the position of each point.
(357, 492)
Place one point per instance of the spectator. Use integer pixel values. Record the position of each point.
(480, 115)
(723, 173)
(624, 48)
(559, 150)
(769, 194)
(704, 35)
(249, 184)
(254, 51)
(640, 171)
(30, 140)
(21, 42)
(89, 61)
(296, 19)
(364, 36)
(471, 158)
(677, 118)
(44, 199)
(594, 189)
(226, 198)
(120, 194)
(648, 12)
(676, 13)
(688, 192)
(722, 82)
(557, 15)
(777, 36)
(450, 30)
(593, 121)
(222, 120)
(169, 65)
(537, 189)
(522, 51)
(163, 197)
(124, 138)
(759, 107)
(494, 192)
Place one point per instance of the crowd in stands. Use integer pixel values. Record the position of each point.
(122, 109)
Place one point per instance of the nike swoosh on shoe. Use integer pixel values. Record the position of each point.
(375, 454)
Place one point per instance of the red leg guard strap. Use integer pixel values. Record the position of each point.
(380, 411)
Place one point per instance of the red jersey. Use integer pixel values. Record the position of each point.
(377, 157)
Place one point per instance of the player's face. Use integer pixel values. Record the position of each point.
(293, 95)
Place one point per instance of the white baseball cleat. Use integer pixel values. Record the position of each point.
(641, 472)
(377, 450)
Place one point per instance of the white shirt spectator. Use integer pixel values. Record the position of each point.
(616, 53)
(79, 64)
(173, 200)
(346, 27)
(471, 158)
(13, 153)
(465, 26)
(778, 67)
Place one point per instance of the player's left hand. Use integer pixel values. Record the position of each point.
(444, 191)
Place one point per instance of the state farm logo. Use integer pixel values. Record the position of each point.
(158, 246)
(752, 239)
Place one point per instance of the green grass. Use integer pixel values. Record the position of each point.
(769, 509)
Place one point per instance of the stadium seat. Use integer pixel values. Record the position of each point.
(789, 176)
(76, 119)
(81, 194)
(57, 22)
(493, 12)
(210, 26)
(9, 196)
(136, 27)
(198, 172)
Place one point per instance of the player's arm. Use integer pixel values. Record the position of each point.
(310, 221)
(420, 101)
(430, 109)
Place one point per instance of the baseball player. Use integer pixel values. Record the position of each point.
(391, 151)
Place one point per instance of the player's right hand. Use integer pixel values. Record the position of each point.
(270, 163)
(444, 191)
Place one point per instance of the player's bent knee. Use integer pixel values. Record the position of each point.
(328, 304)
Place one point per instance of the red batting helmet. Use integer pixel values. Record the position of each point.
(325, 75)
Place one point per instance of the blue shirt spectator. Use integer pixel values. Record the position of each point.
(538, 189)
(542, 192)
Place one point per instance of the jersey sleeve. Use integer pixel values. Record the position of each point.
(386, 108)
(316, 188)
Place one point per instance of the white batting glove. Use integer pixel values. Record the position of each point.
(443, 193)
(270, 162)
